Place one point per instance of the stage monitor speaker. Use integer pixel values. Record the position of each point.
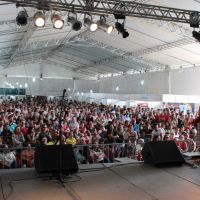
(47, 159)
(162, 153)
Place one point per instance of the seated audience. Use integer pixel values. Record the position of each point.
(29, 122)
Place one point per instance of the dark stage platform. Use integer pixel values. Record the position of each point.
(135, 181)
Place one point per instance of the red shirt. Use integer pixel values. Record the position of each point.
(182, 145)
(24, 131)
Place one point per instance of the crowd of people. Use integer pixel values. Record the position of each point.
(31, 122)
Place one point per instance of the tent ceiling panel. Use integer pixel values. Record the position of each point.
(169, 60)
(73, 51)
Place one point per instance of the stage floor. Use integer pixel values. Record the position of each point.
(135, 181)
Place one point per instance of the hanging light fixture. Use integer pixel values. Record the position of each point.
(104, 26)
(41, 77)
(39, 19)
(22, 18)
(76, 25)
(57, 21)
(89, 23)
(120, 28)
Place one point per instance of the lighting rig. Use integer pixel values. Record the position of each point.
(91, 8)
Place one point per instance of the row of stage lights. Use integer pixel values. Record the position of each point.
(39, 20)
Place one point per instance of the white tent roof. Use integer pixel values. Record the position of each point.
(152, 45)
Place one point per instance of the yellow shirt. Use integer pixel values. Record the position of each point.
(71, 141)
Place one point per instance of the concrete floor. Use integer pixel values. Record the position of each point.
(128, 182)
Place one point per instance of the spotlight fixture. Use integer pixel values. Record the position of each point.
(41, 77)
(120, 28)
(57, 22)
(102, 25)
(76, 25)
(92, 25)
(196, 35)
(21, 18)
(194, 20)
(39, 19)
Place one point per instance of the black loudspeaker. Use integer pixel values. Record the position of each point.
(162, 153)
(47, 159)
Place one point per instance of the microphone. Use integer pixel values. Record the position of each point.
(64, 91)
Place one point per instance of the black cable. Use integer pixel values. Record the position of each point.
(86, 170)
(79, 178)
(10, 183)
(2, 190)
(5, 197)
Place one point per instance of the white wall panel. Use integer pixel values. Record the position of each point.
(154, 83)
(185, 81)
(48, 87)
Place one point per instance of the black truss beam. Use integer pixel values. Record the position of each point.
(108, 7)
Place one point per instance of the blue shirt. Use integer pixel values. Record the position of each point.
(12, 127)
(136, 128)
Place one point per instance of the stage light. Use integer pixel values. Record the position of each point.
(196, 35)
(21, 18)
(39, 19)
(41, 77)
(76, 25)
(20, 85)
(26, 85)
(92, 25)
(117, 88)
(17, 83)
(194, 20)
(104, 26)
(142, 82)
(120, 28)
(34, 79)
(57, 22)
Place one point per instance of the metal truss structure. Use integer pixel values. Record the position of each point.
(143, 63)
(137, 54)
(135, 8)
(44, 47)
(108, 7)
(170, 26)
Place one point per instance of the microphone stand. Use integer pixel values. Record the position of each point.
(60, 174)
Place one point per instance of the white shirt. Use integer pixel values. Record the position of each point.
(7, 158)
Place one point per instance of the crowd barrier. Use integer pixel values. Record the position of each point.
(84, 154)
